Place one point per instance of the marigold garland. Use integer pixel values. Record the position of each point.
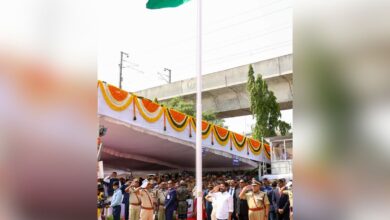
(238, 141)
(176, 119)
(221, 135)
(116, 99)
(254, 146)
(119, 100)
(149, 110)
(206, 128)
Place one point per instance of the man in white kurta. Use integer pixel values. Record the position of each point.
(223, 201)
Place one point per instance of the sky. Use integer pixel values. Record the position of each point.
(234, 33)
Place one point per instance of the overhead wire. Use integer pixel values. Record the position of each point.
(192, 37)
(236, 41)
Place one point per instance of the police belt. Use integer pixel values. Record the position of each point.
(256, 209)
(146, 208)
(135, 204)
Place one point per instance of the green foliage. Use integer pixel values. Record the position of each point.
(212, 118)
(188, 107)
(265, 108)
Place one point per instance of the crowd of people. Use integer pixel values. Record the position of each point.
(168, 197)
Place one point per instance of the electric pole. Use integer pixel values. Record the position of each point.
(169, 74)
(121, 67)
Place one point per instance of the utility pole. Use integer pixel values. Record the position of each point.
(121, 67)
(166, 77)
(169, 74)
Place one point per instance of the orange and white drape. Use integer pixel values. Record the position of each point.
(131, 109)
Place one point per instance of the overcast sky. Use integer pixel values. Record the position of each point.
(234, 33)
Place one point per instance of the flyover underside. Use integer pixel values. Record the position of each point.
(130, 149)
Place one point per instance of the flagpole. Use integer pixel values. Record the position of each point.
(199, 111)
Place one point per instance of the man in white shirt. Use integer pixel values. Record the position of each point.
(223, 201)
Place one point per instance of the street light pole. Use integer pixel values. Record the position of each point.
(121, 67)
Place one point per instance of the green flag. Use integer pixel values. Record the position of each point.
(157, 4)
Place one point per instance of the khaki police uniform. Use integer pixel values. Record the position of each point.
(135, 204)
(160, 195)
(256, 203)
(146, 205)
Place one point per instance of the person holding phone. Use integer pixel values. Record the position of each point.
(257, 200)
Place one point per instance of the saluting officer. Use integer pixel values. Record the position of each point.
(146, 200)
(258, 202)
(160, 195)
(135, 201)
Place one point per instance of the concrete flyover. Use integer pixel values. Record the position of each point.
(225, 91)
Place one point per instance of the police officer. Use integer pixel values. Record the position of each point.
(161, 195)
(258, 202)
(135, 201)
(146, 196)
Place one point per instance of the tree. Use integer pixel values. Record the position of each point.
(188, 107)
(265, 108)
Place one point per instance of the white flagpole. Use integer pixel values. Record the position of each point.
(199, 112)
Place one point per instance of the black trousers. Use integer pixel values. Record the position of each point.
(234, 216)
(284, 216)
(243, 217)
(208, 211)
(169, 214)
(116, 212)
(126, 210)
(272, 215)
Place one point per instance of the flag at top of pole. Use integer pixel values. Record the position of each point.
(157, 4)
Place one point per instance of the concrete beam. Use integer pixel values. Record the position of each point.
(225, 91)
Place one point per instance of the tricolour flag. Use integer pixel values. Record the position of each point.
(157, 4)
